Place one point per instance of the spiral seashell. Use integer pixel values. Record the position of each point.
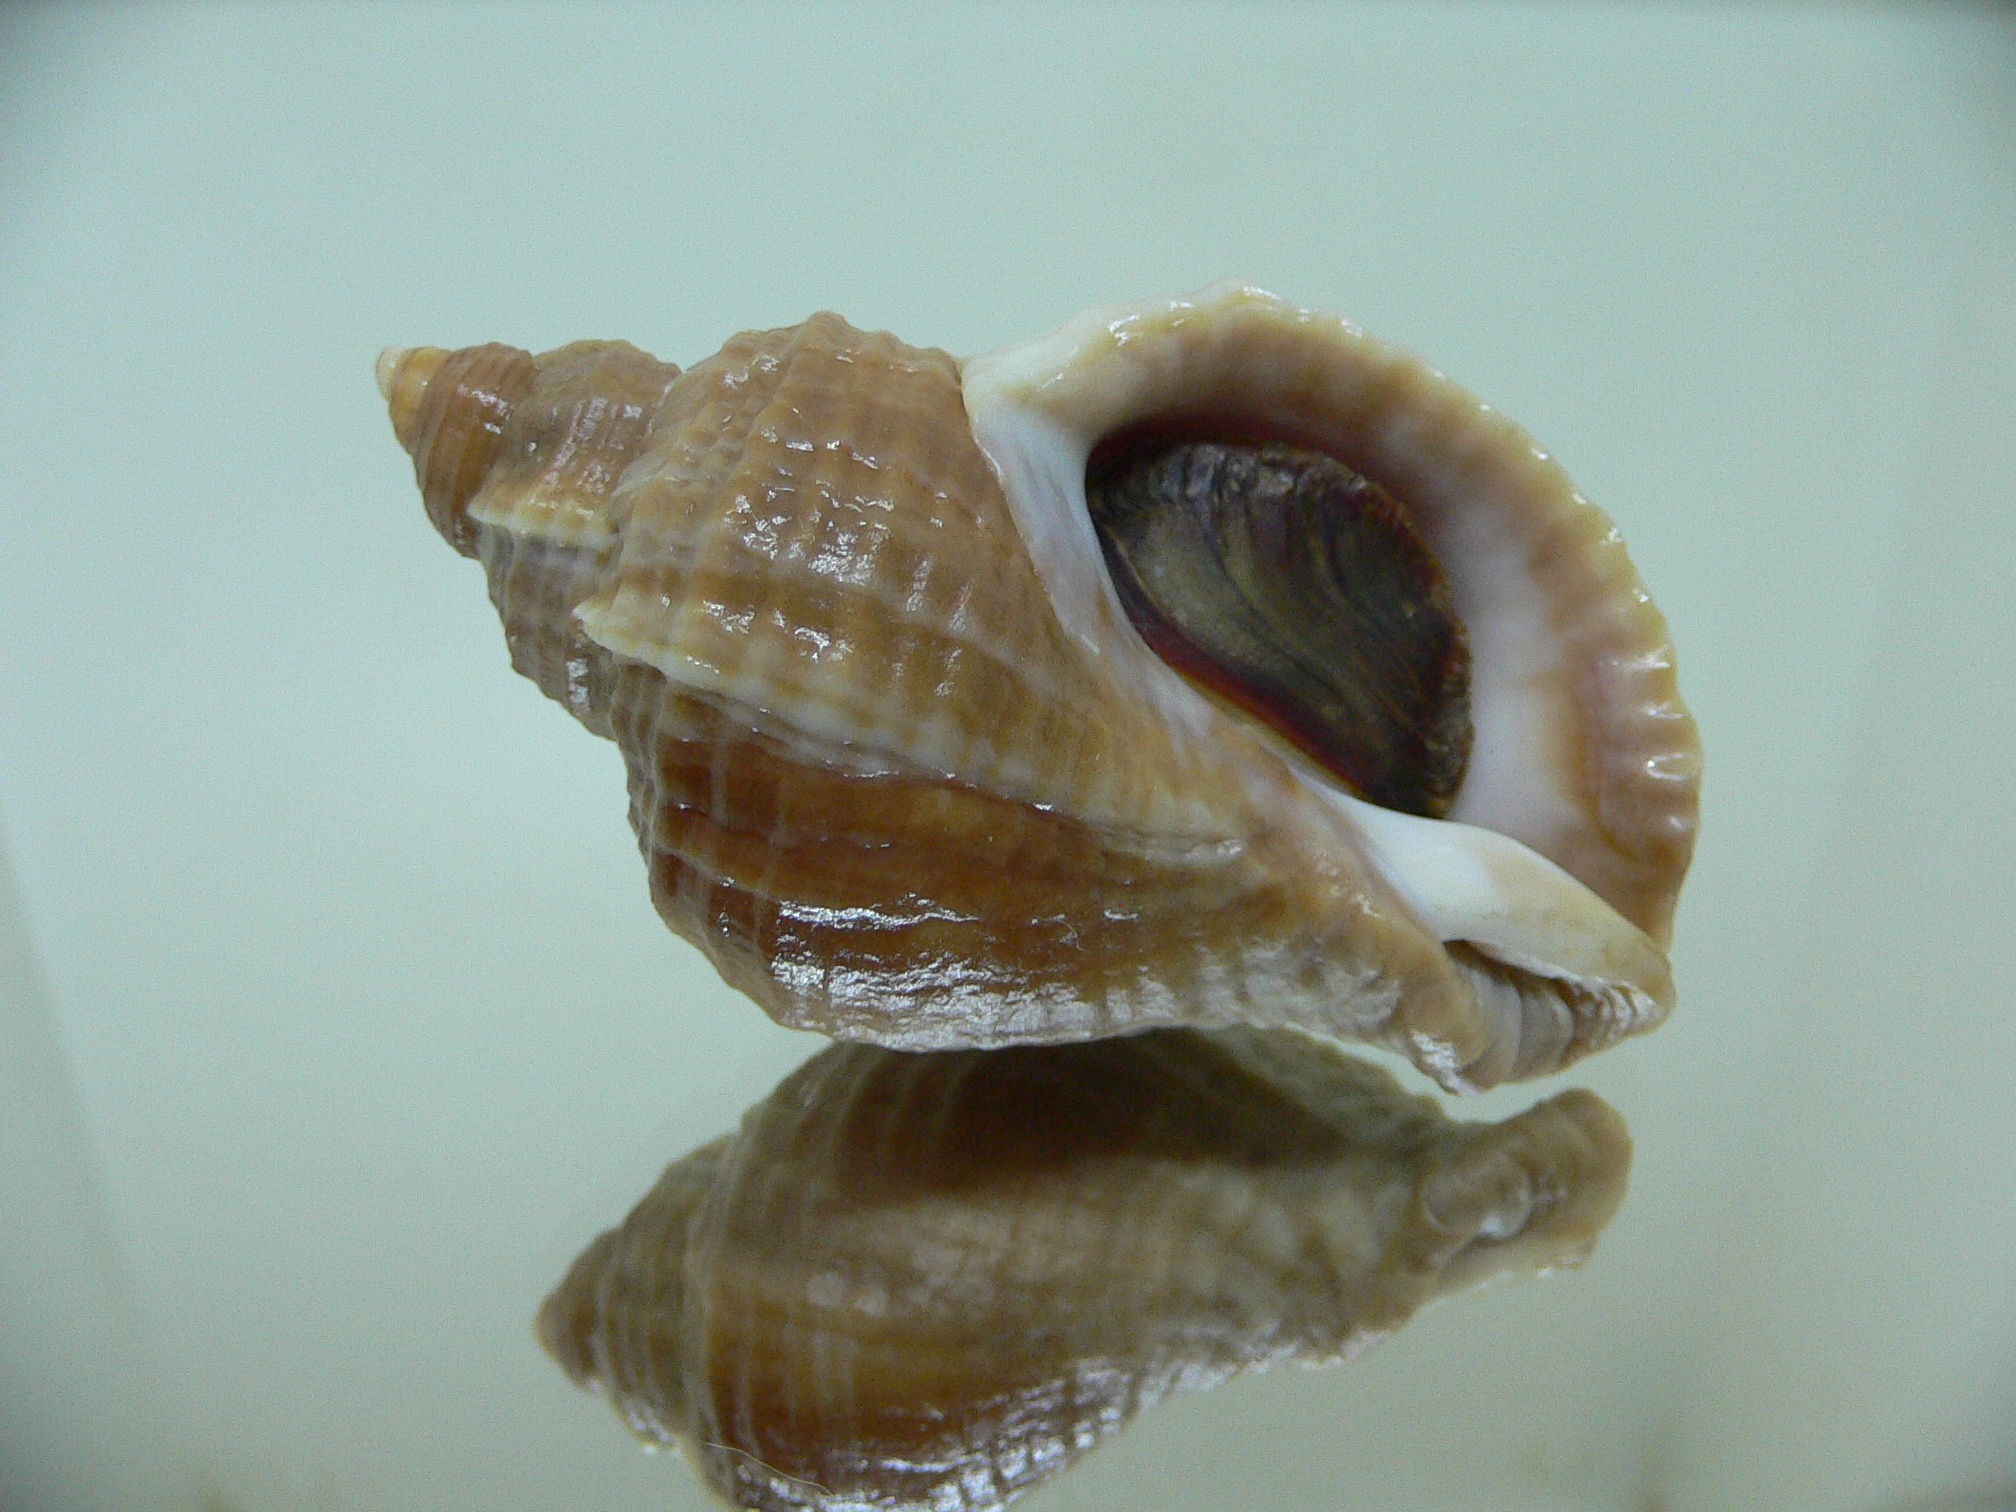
(935, 1281)
(1332, 704)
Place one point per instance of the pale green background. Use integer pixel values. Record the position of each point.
(335, 1015)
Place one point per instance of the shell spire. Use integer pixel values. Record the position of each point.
(907, 768)
(449, 410)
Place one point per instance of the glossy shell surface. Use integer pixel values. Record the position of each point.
(899, 765)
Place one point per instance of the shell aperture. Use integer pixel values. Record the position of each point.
(935, 1281)
(902, 767)
(1282, 581)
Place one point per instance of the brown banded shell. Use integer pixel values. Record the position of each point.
(902, 767)
(935, 1281)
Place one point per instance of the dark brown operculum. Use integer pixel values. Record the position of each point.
(449, 410)
(1298, 591)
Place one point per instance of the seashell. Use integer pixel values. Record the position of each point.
(935, 1281)
(903, 763)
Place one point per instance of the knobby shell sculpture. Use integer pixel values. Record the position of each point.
(1207, 662)
(934, 1281)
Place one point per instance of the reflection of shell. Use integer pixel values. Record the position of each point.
(902, 768)
(935, 1280)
